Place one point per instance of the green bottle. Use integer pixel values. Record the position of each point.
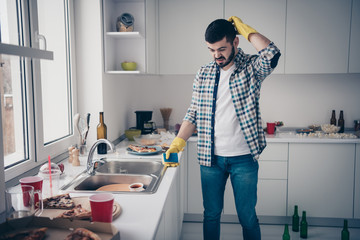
(303, 226)
(286, 235)
(295, 220)
(345, 234)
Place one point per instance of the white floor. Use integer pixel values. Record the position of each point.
(193, 231)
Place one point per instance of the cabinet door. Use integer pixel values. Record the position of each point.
(321, 179)
(194, 204)
(272, 184)
(317, 36)
(357, 184)
(271, 196)
(267, 17)
(354, 58)
(181, 34)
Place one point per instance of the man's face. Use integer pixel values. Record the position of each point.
(223, 52)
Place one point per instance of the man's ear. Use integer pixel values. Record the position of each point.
(236, 41)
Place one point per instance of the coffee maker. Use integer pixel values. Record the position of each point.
(143, 122)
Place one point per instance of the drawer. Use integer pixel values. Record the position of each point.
(272, 170)
(275, 151)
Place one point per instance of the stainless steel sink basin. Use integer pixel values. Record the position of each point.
(119, 172)
(130, 167)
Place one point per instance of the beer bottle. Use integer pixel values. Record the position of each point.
(345, 234)
(295, 220)
(341, 122)
(286, 235)
(333, 118)
(101, 133)
(303, 226)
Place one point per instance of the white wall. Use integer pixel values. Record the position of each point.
(297, 100)
(89, 70)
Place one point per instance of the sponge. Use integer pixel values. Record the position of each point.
(173, 160)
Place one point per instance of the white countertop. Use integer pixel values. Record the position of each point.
(293, 137)
(140, 213)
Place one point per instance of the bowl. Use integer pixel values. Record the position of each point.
(329, 128)
(148, 140)
(131, 133)
(129, 66)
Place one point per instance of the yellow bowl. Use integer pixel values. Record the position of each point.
(129, 66)
(131, 133)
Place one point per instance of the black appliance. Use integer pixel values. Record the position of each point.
(143, 121)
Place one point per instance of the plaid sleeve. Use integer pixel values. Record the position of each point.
(192, 110)
(266, 61)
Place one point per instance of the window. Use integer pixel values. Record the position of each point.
(36, 95)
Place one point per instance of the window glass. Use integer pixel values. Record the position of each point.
(9, 24)
(55, 81)
(13, 108)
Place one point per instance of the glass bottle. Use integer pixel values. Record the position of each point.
(101, 134)
(333, 118)
(345, 234)
(303, 226)
(341, 122)
(295, 220)
(286, 235)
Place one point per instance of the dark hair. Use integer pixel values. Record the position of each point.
(219, 29)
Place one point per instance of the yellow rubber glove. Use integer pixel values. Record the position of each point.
(176, 146)
(241, 27)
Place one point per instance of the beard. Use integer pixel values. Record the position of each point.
(228, 60)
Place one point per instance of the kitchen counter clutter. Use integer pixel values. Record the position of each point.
(142, 215)
(317, 137)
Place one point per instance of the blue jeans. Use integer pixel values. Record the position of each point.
(243, 171)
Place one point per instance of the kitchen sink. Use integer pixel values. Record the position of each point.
(119, 172)
(130, 167)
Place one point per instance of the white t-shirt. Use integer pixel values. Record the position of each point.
(229, 139)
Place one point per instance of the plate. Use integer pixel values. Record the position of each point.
(158, 149)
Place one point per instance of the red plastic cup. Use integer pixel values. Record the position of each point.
(34, 181)
(270, 128)
(102, 207)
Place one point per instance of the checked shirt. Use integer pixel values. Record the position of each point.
(245, 84)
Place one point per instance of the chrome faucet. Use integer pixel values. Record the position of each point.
(90, 161)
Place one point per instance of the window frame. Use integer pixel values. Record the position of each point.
(31, 57)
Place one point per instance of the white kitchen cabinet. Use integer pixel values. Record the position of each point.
(182, 26)
(124, 46)
(321, 179)
(317, 36)
(172, 216)
(357, 183)
(354, 57)
(194, 194)
(267, 17)
(272, 184)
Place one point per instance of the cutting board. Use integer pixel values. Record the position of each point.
(85, 203)
(115, 187)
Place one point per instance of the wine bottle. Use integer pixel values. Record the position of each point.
(286, 235)
(341, 122)
(295, 220)
(345, 234)
(101, 134)
(303, 226)
(333, 118)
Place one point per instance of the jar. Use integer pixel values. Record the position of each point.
(125, 23)
(357, 125)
